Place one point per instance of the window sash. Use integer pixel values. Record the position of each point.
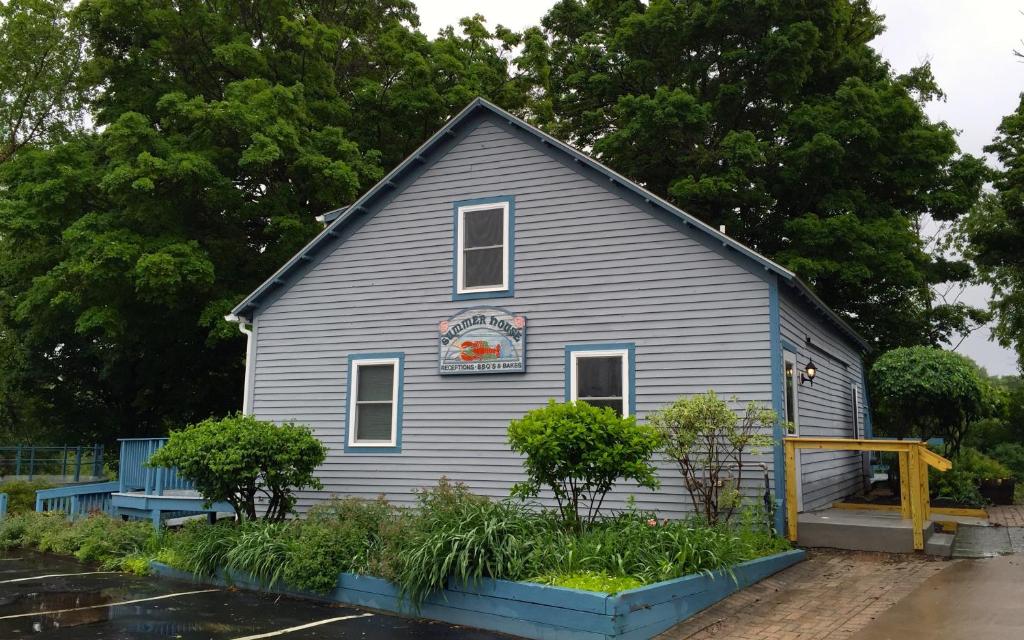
(355, 403)
(790, 384)
(462, 249)
(623, 354)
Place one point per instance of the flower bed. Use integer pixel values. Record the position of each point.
(458, 557)
(539, 611)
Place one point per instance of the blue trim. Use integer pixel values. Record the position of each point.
(484, 295)
(374, 199)
(397, 447)
(630, 349)
(776, 344)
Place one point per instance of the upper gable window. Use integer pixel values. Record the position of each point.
(483, 252)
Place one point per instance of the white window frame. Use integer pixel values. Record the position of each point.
(353, 399)
(460, 247)
(603, 353)
(788, 357)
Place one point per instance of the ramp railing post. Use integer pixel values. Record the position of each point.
(791, 497)
(904, 467)
(916, 510)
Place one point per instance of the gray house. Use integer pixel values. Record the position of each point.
(497, 268)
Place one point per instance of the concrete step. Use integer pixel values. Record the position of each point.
(858, 530)
(940, 544)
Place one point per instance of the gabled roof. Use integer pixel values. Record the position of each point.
(337, 218)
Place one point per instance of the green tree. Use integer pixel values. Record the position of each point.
(251, 464)
(579, 452)
(927, 392)
(223, 127)
(992, 236)
(41, 96)
(779, 121)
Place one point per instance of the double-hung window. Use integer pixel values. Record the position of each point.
(483, 251)
(601, 375)
(374, 402)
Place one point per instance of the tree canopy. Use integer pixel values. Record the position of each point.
(779, 121)
(993, 235)
(41, 93)
(927, 392)
(217, 130)
(221, 129)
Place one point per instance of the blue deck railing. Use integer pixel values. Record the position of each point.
(78, 499)
(134, 475)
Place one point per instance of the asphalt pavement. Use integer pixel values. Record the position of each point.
(48, 596)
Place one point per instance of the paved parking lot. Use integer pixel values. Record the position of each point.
(54, 597)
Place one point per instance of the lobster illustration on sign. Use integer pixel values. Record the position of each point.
(473, 350)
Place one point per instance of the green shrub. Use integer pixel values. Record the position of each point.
(961, 483)
(97, 539)
(338, 536)
(591, 581)
(21, 494)
(237, 458)
(927, 392)
(1011, 456)
(579, 452)
(707, 440)
(458, 534)
(261, 550)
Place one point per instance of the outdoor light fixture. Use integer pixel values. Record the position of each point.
(808, 373)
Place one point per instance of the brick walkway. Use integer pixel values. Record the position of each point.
(828, 597)
(1012, 516)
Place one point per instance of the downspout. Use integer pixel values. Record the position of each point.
(248, 360)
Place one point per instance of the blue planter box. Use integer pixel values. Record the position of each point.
(542, 612)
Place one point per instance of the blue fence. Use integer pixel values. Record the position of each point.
(77, 500)
(67, 462)
(134, 475)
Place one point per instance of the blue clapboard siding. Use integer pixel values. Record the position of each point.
(542, 612)
(592, 266)
(825, 408)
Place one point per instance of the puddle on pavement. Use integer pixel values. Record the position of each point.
(218, 615)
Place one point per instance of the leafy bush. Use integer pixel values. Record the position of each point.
(961, 483)
(97, 539)
(341, 535)
(453, 534)
(927, 392)
(708, 441)
(579, 451)
(237, 458)
(458, 534)
(1011, 456)
(21, 494)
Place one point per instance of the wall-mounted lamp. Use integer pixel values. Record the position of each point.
(808, 373)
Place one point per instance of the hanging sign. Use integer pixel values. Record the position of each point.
(482, 340)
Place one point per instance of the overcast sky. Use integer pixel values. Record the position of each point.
(969, 44)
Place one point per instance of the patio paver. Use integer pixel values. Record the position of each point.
(830, 596)
(1008, 516)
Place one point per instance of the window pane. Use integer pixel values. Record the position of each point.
(614, 404)
(375, 382)
(483, 228)
(599, 377)
(483, 267)
(373, 422)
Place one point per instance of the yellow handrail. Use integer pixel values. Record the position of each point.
(914, 459)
